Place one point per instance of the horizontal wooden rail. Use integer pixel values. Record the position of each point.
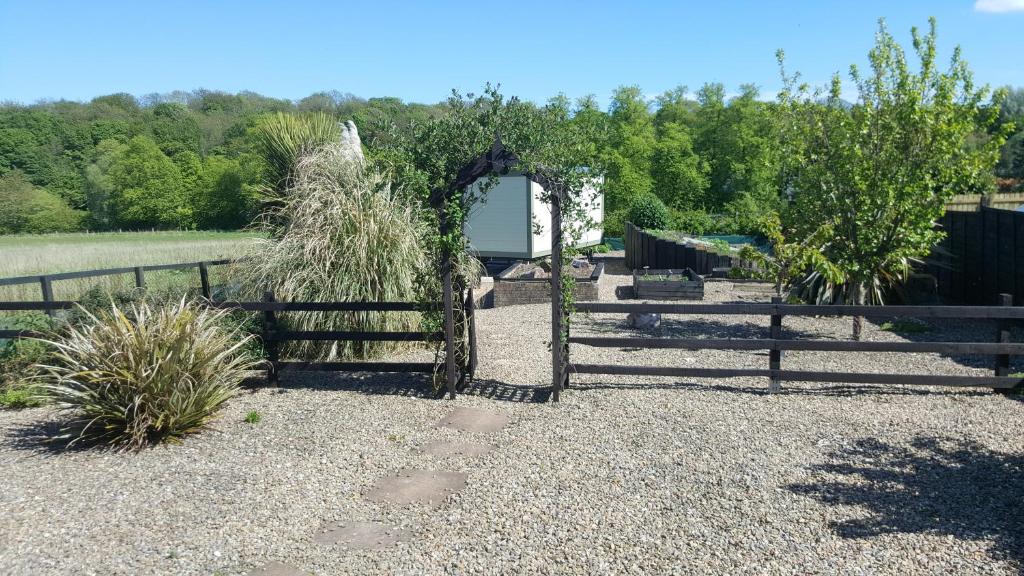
(329, 306)
(1013, 349)
(1001, 382)
(419, 367)
(107, 272)
(289, 335)
(991, 312)
(51, 305)
(8, 334)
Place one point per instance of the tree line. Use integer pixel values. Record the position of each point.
(706, 160)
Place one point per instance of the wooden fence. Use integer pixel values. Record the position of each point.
(974, 202)
(981, 257)
(1001, 349)
(644, 249)
(46, 281)
(272, 334)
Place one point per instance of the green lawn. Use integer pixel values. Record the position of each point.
(24, 255)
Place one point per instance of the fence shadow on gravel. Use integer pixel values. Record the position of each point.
(828, 390)
(409, 385)
(935, 486)
(687, 328)
(939, 329)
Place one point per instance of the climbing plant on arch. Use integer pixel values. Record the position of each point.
(453, 160)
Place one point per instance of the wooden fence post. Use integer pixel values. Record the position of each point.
(269, 335)
(774, 354)
(556, 295)
(449, 308)
(471, 319)
(1002, 361)
(46, 286)
(204, 280)
(140, 278)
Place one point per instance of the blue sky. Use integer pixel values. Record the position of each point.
(419, 51)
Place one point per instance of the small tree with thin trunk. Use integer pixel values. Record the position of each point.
(879, 171)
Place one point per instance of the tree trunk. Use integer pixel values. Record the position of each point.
(858, 299)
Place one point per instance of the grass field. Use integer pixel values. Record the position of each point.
(25, 255)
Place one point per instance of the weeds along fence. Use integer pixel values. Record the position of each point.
(46, 281)
(273, 333)
(1000, 350)
(981, 257)
(644, 249)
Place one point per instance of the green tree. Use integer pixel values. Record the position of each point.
(680, 176)
(880, 171)
(631, 143)
(146, 189)
(25, 208)
(229, 193)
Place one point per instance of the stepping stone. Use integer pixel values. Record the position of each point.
(278, 569)
(361, 535)
(447, 448)
(417, 486)
(474, 420)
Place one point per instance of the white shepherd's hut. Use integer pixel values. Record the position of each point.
(514, 222)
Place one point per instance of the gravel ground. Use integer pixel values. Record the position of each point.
(625, 475)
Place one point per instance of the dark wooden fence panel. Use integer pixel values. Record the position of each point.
(647, 250)
(981, 257)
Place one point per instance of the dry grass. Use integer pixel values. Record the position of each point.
(25, 255)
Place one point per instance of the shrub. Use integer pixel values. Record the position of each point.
(148, 374)
(348, 236)
(648, 211)
(615, 224)
(692, 221)
(18, 358)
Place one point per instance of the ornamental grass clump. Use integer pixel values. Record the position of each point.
(132, 377)
(347, 235)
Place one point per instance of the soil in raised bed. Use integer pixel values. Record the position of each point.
(533, 271)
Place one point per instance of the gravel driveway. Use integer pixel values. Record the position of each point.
(626, 475)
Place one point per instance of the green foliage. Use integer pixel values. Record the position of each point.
(18, 358)
(879, 172)
(284, 138)
(24, 208)
(146, 189)
(692, 221)
(130, 378)
(649, 212)
(630, 146)
(349, 236)
(615, 223)
(229, 193)
(680, 175)
(253, 417)
(788, 259)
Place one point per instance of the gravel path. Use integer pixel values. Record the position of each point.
(624, 476)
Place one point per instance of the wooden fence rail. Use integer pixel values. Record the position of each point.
(272, 334)
(46, 281)
(1000, 350)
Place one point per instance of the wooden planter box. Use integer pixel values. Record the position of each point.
(668, 289)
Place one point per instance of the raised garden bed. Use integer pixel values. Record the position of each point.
(530, 283)
(668, 284)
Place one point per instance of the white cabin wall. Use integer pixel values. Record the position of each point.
(499, 226)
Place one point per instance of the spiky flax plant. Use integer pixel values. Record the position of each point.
(131, 377)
